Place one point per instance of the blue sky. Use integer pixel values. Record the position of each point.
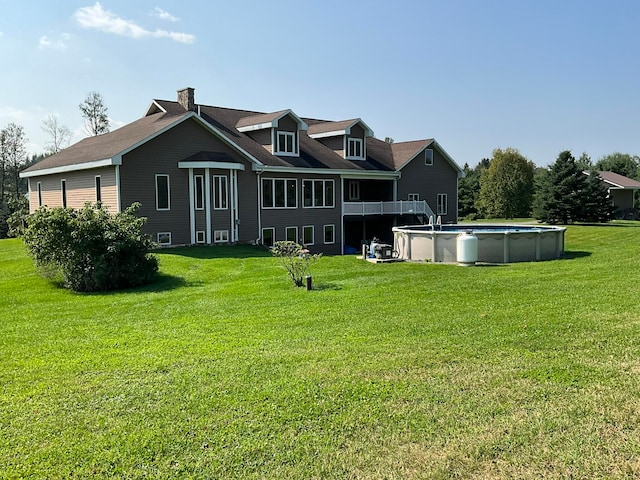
(537, 75)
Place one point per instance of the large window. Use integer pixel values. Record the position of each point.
(428, 157)
(279, 193)
(318, 193)
(307, 235)
(219, 192)
(268, 236)
(355, 148)
(162, 192)
(329, 234)
(63, 191)
(441, 204)
(199, 192)
(286, 143)
(98, 189)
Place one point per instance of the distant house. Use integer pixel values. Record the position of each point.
(621, 189)
(213, 175)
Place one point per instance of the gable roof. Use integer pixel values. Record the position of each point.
(404, 152)
(321, 129)
(619, 181)
(106, 149)
(230, 125)
(267, 120)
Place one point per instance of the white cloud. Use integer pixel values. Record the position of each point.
(59, 43)
(100, 19)
(12, 114)
(158, 12)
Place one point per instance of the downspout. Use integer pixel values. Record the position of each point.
(342, 226)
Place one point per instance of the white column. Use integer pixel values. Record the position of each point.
(192, 208)
(207, 201)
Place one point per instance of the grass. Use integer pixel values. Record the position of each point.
(222, 369)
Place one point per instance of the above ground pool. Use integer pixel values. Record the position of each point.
(495, 243)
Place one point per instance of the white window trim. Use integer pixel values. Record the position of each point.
(313, 233)
(413, 197)
(428, 157)
(441, 204)
(313, 193)
(168, 192)
(273, 193)
(221, 236)
(354, 190)
(294, 140)
(217, 197)
(286, 232)
(273, 233)
(333, 234)
(161, 234)
(355, 140)
(195, 191)
(200, 236)
(97, 181)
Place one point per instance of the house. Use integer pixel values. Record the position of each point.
(213, 175)
(622, 190)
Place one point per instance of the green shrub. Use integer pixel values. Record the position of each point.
(90, 249)
(296, 259)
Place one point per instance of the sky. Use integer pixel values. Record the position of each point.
(541, 76)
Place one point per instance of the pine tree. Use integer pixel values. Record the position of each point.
(596, 204)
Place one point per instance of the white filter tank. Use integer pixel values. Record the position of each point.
(467, 248)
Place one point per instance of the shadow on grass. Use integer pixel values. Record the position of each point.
(573, 254)
(321, 287)
(223, 251)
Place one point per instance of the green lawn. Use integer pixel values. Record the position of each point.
(224, 370)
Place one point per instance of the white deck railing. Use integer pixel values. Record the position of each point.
(399, 207)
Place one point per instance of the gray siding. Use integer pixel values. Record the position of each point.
(430, 180)
(281, 218)
(161, 156)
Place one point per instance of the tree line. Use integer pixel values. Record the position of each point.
(508, 185)
(14, 157)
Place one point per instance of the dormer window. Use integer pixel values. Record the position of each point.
(286, 143)
(355, 148)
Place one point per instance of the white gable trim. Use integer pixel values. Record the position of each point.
(155, 107)
(447, 157)
(274, 123)
(346, 131)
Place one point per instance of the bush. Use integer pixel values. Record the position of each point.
(296, 259)
(90, 249)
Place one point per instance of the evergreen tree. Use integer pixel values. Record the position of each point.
(559, 198)
(596, 204)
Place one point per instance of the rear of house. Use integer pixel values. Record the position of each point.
(212, 175)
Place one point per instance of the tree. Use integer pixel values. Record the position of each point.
(94, 112)
(584, 162)
(90, 249)
(506, 187)
(469, 189)
(296, 259)
(620, 163)
(60, 135)
(559, 198)
(13, 155)
(596, 206)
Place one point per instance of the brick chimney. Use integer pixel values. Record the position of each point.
(186, 98)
